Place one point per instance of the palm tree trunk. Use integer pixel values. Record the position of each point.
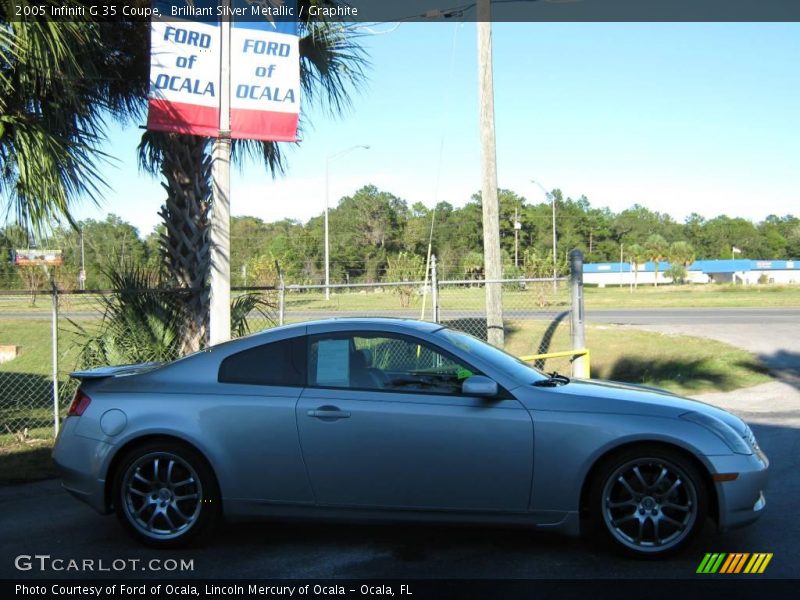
(186, 244)
(655, 281)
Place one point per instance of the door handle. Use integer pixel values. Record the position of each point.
(328, 413)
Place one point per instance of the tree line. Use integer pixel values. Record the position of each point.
(377, 236)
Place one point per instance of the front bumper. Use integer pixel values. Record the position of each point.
(80, 462)
(742, 500)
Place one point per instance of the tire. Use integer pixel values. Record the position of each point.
(165, 494)
(648, 501)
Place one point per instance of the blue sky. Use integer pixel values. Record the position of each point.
(680, 118)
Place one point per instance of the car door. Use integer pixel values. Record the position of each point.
(252, 423)
(383, 424)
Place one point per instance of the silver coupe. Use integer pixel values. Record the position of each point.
(400, 420)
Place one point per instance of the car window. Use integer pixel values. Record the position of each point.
(383, 362)
(278, 363)
(505, 362)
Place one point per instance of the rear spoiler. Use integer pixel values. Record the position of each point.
(120, 371)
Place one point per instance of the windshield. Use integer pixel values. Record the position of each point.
(505, 362)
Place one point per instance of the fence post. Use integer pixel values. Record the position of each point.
(281, 295)
(54, 332)
(576, 313)
(434, 290)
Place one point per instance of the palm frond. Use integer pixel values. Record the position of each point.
(150, 152)
(51, 125)
(332, 64)
(267, 153)
(242, 309)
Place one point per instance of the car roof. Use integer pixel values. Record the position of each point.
(390, 323)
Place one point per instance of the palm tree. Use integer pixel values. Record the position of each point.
(331, 64)
(657, 248)
(637, 255)
(681, 255)
(52, 96)
(60, 81)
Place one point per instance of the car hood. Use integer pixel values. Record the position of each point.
(596, 396)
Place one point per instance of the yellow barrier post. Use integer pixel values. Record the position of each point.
(584, 352)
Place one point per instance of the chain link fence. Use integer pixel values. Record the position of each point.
(43, 337)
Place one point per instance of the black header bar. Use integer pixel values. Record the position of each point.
(393, 11)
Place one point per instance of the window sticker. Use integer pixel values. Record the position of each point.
(333, 362)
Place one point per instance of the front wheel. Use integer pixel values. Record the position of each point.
(648, 502)
(165, 494)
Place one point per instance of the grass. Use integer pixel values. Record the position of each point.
(683, 364)
(694, 296)
(686, 365)
(23, 462)
(542, 296)
(26, 397)
(34, 337)
(452, 298)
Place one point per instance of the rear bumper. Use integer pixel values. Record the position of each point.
(79, 461)
(742, 501)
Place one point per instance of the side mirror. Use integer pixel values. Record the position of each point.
(478, 385)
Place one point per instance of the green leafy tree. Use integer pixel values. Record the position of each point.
(472, 265)
(262, 271)
(107, 243)
(365, 228)
(405, 267)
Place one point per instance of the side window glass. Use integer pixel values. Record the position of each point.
(279, 363)
(383, 362)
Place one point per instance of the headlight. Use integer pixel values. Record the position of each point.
(724, 431)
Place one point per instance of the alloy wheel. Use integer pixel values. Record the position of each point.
(650, 505)
(162, 495)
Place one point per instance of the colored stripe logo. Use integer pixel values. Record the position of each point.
(734, 563)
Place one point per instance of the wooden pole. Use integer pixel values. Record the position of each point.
(491, 212)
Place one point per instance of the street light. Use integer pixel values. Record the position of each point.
(553, 202)
(327, 194)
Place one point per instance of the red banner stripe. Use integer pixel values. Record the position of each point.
(264, 125)
(179, 117)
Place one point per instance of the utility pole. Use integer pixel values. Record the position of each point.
(517, 227)
(220, 300)
(491, 213)
(553, 197)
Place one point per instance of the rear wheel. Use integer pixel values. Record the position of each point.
(165, 494)
(648, 501)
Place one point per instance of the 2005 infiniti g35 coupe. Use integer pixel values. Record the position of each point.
(400, 419)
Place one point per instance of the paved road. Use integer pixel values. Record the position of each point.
(695, 316)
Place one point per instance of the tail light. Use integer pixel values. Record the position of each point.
(80, 402)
